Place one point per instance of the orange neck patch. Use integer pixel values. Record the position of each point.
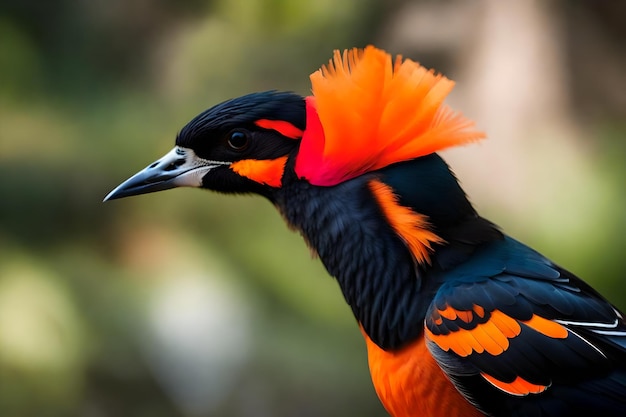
(263, 171)
(412, 227)
(374, 112)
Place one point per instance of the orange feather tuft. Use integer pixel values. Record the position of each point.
(375, 112)
(413, 228)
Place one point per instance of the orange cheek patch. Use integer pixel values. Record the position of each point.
(263, 171)
(284, 128)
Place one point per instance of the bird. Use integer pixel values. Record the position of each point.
(458, 318)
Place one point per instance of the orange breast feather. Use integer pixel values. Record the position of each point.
(409, 383)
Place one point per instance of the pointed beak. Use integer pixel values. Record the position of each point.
(178, 168)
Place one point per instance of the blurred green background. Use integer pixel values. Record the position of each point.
(187, 303)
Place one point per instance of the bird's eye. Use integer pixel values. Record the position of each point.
(238, 140)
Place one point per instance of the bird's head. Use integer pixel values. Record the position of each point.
(366, 112)
(238, 146)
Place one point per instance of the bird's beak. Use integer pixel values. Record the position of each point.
(178, 168)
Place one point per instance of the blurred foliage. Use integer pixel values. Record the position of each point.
(183, 303)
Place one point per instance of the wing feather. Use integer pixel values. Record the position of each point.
(518, 335)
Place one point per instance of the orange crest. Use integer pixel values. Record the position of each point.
(368, 112)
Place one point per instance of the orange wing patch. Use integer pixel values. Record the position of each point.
(477, 331)
(264, 171)
(412, 227)
(518, 387)
(546, 327)
(491, 335)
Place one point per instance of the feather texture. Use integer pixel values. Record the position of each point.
(374, 112)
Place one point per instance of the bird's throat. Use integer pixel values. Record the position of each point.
(377, 273)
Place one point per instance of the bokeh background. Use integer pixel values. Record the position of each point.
(190, 304)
